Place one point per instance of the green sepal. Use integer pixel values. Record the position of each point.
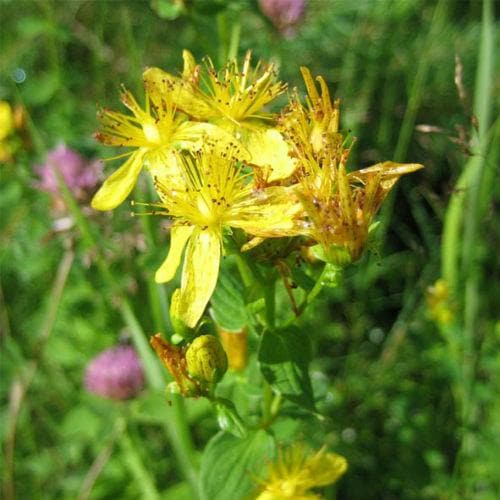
(228, 418)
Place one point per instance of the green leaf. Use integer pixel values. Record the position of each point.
(228, 418)
(228, 305)
(284, 357)
(180, 491)
(301, 278)
(229, 465)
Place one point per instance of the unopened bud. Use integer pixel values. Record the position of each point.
(206, 359)
(236, 346)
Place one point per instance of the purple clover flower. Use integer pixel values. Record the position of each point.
(115, 373)
(284, 14)
(80, 175)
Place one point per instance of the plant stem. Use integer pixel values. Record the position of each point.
(314, 292)
(461, 265)
(234, 40)
(134, 463)
(270, 300)
(414, 100)
(245, 270)
(175, 421)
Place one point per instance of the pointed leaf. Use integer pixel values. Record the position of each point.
(284, 357)
(230, 465)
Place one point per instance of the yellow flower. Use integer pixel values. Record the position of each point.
(295, 473)
(233, 99)
(6, 120)
(215, 193)
(6, 128)
(313, 129)
(153, 132)
(339, 206)
(439, 304)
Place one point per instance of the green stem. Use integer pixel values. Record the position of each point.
(222, 35)
(470, 265)
(461, 265)
(267, 399)
(246, 272)
(182, 443)
(228, 40)
(270, 300)
(271, 404)
(417, 87)
(135, 465)
(175, 421)
(156, 292)
(315, 290)
(234, 40)
(414, 100)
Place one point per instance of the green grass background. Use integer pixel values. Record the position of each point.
(414, 407)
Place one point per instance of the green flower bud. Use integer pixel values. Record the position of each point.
(206, 359)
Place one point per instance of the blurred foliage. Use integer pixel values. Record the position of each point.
(381, 369)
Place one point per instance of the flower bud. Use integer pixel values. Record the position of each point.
(174, 359)
(236, 346)
(206, 359)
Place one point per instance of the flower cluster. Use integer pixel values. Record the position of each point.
(221, 162)
(80, 176)
(115, 374)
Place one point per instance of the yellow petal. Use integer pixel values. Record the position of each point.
(189, 64)
(199, 275)
(184, 95)
(178, 238)
(268, 149)
(345, 195)
(388, 168)
(257, 240)
(119, 184)
(271, 212)
(163, 165)
(324, 468)
(192, 135)
(6, 120)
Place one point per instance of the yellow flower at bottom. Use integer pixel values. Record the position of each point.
(295, 473)
(215, 193)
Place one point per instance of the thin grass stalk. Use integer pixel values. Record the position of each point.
(460, 266)
(101, 460)
(418, 84)
(135, 465)
(414, 100)
(175, 421)
(21, 384)
(470, 264)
